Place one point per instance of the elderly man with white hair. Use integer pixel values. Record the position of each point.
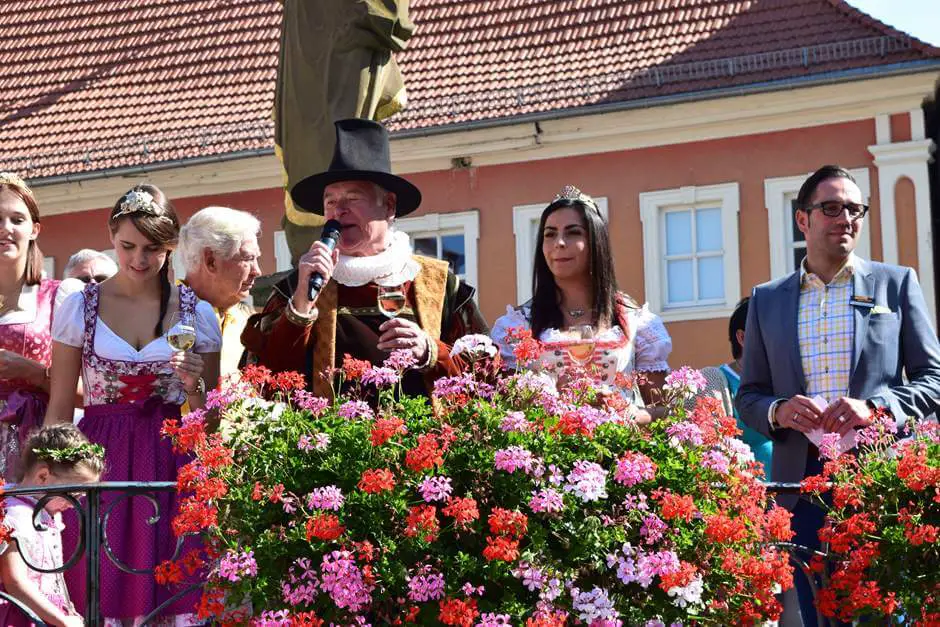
(89, 266)
(219, 250)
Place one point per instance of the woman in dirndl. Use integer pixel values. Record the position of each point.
(28, 302)
(575, 291)
(114, 334)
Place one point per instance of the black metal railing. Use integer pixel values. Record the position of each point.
(93, 516)
(800, 556)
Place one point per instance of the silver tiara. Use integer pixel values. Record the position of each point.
(9, 178)
(138, 201)
(570, 192)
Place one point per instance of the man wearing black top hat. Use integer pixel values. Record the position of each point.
(312, 336)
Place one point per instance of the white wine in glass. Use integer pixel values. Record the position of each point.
(182, 333)
(391, 300)
(581, 345)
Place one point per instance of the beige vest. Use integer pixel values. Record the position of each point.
(430, 289)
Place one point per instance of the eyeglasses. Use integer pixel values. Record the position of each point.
(834, 209)
(98, 278)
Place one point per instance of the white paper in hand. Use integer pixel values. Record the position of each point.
(848, 441)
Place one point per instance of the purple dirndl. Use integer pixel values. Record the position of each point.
(126, 404)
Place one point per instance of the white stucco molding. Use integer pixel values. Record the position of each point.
(894, 162)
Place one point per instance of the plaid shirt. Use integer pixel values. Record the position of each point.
(826, 331)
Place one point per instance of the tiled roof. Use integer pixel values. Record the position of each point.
(93, 85)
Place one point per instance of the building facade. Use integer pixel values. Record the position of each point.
(695, 158)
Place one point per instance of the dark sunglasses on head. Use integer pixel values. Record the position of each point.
(834, 209)
(98, 278)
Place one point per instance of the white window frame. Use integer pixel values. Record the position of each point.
(524, 218)
(281, 252)
(466, 223)
(780, 218)
(653, 207)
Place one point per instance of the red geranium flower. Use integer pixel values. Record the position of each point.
(375, 481)
(289, 381)
(385, 429)
(353, 369)
(422, 521)
(507, 523)
(258, 376)
(675, 506)
(325, 527)
(463, 510)
(461, 612)
(168, 572)
(425, 455)
(501, 548)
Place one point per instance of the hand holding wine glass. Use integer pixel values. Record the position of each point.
(390, 300)
(581, 344)
(181, 333)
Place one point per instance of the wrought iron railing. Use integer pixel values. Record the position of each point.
(800, 556)
(93, 515)
(93, 518)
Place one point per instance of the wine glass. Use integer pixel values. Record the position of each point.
(391, 300)
(580, 346)
(182, 331)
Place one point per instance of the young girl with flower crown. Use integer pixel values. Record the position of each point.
(56, 455)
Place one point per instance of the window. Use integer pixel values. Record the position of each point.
(787, 244)
(525, 226)
(48, 267)
(690, 251)
(452, 237)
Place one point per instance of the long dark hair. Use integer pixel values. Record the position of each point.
(33, 274)
(546, 313)
(160, 225)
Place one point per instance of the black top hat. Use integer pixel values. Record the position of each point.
(361, 154)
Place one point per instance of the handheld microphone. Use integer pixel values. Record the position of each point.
(329, 237)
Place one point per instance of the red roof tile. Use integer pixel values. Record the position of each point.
(100, 84)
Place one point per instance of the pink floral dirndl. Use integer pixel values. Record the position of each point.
(22, 406)
(42, 549)
(126, 403)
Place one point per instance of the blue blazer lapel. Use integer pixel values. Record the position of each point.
(789, 323)
(862, 303)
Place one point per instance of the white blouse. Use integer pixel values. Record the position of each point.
(69, 328)
(645, 346)
(25, 312)
(102, 387)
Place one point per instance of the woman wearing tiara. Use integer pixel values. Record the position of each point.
(28, 302)
(580, 317)
(115, 335)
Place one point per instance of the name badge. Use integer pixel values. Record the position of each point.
(863, 301)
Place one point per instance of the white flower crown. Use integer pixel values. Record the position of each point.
(138, 201)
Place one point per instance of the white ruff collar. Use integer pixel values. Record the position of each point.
(393, 266)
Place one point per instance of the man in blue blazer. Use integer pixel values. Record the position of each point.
(840, 327)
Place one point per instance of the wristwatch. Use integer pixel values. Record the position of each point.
(200, 388)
